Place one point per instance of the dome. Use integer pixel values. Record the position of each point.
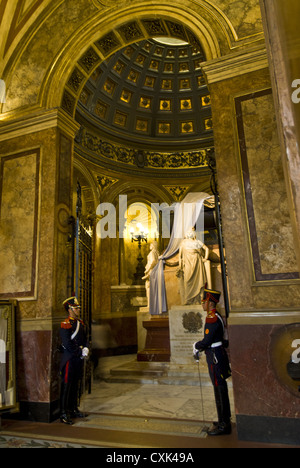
(150, 94)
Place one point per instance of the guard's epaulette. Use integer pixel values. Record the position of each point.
(211, 318)
(66, 324)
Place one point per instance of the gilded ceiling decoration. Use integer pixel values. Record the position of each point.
(23, 13)
(105, 182)
(151, 93)
(178, 191)
(92, 147)
(161, 83)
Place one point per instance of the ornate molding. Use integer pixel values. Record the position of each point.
(141, 159)
(267, 316)
(41, 120)
(177, 191)
(235, 64)
(105, 182)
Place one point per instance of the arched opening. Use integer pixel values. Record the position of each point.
(142, 120)
(208, 29)
(122, 38)
(144, 110)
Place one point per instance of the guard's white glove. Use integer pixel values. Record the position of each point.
(196, 352)
(85, 352)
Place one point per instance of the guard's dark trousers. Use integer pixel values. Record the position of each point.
(223, 408)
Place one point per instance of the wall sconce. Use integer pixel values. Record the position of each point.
(140, 236)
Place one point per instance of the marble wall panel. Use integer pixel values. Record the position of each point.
(55, 378)
(39, 53)
(265, 191)
(19, 192)
(257, 390)
(53, 196)
(246, 293)
(127, 299)
(46, 141)
(281, 25)
(64, 170)
(245, 16)
(37, 191)
(63, 263)
(33, 369)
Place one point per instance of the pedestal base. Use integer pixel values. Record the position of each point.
(186, 327)
(157, 348)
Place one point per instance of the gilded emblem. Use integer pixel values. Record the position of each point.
(192, 322)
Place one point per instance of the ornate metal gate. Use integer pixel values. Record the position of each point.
(85, 275)
(82, 279)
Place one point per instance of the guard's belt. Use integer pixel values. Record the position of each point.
(215, 345)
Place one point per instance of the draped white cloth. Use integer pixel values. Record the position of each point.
(188, 213)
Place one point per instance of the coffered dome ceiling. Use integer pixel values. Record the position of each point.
(149, 95)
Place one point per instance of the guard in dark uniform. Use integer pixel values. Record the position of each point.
(213, 344)
(74, 335)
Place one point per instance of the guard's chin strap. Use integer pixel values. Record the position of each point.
(210, 298)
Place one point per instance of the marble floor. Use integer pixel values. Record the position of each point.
(127, 411)
(141, 399)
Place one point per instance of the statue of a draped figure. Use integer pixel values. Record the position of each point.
(194, 269)
(152, 260)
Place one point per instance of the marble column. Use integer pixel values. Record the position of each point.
(281, 27)
(257, 219)
(35, 256)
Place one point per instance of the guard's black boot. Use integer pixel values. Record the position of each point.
(223, 426)
(74, 402)
(220, 429)
(65, 418)
(218, 406)
(77, 414)
(64, 400)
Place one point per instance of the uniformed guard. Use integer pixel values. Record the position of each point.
(213, 344)
(75, 349)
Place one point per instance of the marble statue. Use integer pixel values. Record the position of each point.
(194, 269)
(152, 260)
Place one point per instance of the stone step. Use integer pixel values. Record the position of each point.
(158, 374)
(205, 380)
(139, 369)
